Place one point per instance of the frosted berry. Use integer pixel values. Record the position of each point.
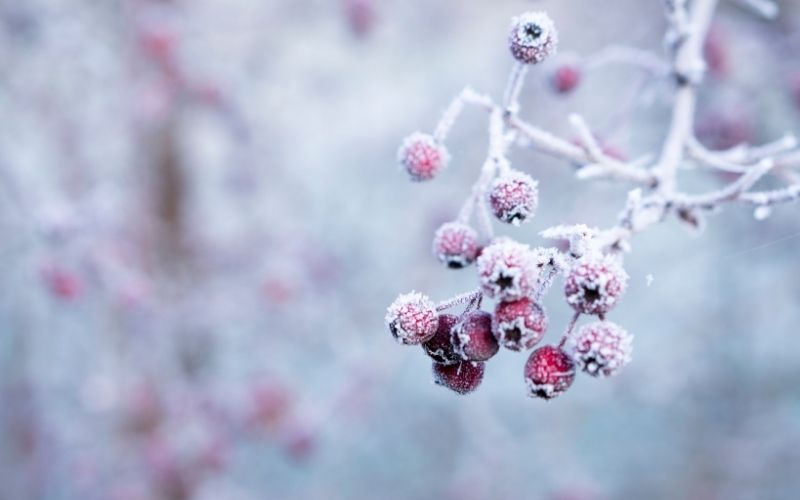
(473, 339)
(412, 318)
(462, 377)
(455, 244)
(506, 271)
(533, 37)
(566, 78)
(595, 284)
(514, 197)
(549, 372)
(601, 348)
(519, 324)
(422, 156)
(440, 346)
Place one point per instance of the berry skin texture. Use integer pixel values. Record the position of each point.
(440, 346)
(601, 348)
(595, 284)
(462, 378)
(566, 79)
(412, 318)
(519, 325)
(473, 339)
(549, 372)
(514, 197)
(533, 37)
(506, 270)
(455, 244)
(422, 156)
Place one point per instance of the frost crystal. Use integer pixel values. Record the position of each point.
(455, 244)
(462, 377)
(533, 37)
(549, 372)
(514, 197)
(412, 318)
(601, 348)
(422, 156)
(520, 324)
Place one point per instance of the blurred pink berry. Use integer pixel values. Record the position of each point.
(595, 284)
(455, 244)
(440, 346)
(566, 78)
(463, 377)
(601, 348)
(412, 318)
(360, 15)
(300, 444)
(724, 130)
(422, 156)
(533, 37)
(715, 52)
(519, 324)
(549, 372)
(473, 339)
(514, 197)
(63, 284)
(506, 271)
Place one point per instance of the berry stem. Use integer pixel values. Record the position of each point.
(464, 298)
(515, 81)
(570, 328)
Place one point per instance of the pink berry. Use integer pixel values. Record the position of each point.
(440, 346)
(549, 372)
(422, 156)
(520, 324)
(514, 197)
(566, 78)
(506, 271)
(473, 339)
(601, 348)
(412, 318)
(463, 377)
(455, 244)
(595, 284)
(533, 37)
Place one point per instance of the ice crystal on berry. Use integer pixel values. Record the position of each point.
(514, 197)
(455, 244)
(422, 156)
(412, 318)
(473, 338)
(533, 37)
(520, 324)
(549, 372)
(440, 347)
(506, 270)
(595, 284)
(601, 348)
(463, 377)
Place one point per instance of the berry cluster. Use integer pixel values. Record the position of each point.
(515, 275)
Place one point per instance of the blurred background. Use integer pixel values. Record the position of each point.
(203, 223)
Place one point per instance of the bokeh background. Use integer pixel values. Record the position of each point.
(203, 222)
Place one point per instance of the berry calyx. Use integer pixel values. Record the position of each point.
(412, 318)
(533, 37)
(422, 156)
(595, 284)
(519, 324)
(455, 244)
(463, 377)
(549, 372)
(601, 348)
(473, 339)
(514, 197)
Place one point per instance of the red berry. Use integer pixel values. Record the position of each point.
(514, 197)
(412, 318)
(520, 324)
(715, 53)
(462, 378)
(533, 37)
(549, 372)
(455, 244)
(566, 78)
(595, 284)
(506, 271)
(601, 348)
(473, 339)
(422, 156)
(440, 346)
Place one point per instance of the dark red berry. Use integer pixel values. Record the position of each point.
(462, 378)
(440, 347)
(473, 339)
(549, 372)
(519, 324)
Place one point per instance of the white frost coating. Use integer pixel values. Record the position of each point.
(523, 36)
(412, 318)
(601, 348)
